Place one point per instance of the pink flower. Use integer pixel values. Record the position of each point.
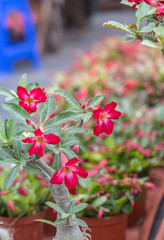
(3, 193)
(68, 174)
(40, 141)
(30, 99)
(100, 213)
(160, 10)
(136, 2)
(103, 116)
(11, 205)
(22, 191)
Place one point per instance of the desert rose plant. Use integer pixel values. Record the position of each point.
(40, 129)
(149, 26)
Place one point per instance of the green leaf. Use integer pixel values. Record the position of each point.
(61, 220)
(11, 176)
(17, 148)
(117, 25)
(57, 162)
(148, 28)
(82, 147)
(149, 43)
(17, 111)
(3, 137)
(9, 161)
(86, 116)
(73, 130)
(129, 39)
(46, 109)
(55, 148)
(32, 168)
(79, 222)
(79, 207)
(22, 81)
(96, 100)
(159, 32)
(70, 141)
(6, 92)
(127, 208)
(65, 215)
(69, 98)
(46, 221)
(6, 153)
(2, 127)
(99, 201)
(55, 206)
(70, 154)
(70, 206)
(62, 118)
(11, 128)
(141, 12)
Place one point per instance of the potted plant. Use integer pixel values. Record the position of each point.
(110, 198)
(29, 139)
(22, 204)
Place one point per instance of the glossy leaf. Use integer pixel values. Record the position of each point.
(79, 207)
(79, 222)
(22, 81)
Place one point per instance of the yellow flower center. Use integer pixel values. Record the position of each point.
(102, 117)
(29, 101)
(40, 140)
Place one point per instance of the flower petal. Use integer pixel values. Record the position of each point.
(38, 132)
(80, 171)
(108, 126)
(25, 106)
(109, 107)
(28, 140)
(72, 162)
(51, 138)
(36, 148)
(71, 180)
(114, 115)
(35, 93)
(97, 112)
(58, 177)
(42, 148)
(98, 129)
(22, 93)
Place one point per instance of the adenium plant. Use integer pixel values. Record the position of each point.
(39, 129)
(149, 26)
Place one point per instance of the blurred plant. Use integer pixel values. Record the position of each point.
(25, 197)
(149, 26)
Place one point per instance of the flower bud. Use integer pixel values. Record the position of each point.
(28, 121)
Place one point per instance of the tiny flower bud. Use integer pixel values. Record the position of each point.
(76, 148)
(28, 121)
(48, 118)
(11, 205)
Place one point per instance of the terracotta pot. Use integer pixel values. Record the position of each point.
(49, 215)
(25, 228)
(136, 217)
(113, 228)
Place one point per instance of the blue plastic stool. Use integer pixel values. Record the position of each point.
(21, 50)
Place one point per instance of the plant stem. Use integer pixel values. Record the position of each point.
(66, 231)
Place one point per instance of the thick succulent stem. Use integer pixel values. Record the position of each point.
(66, 231)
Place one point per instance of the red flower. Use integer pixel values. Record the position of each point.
(103, 116)
(68, 174)
(22, 191)
(136, 2)
(40, 141)
(30, 99)
(160, 10)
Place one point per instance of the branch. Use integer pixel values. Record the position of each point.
(47, 169)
